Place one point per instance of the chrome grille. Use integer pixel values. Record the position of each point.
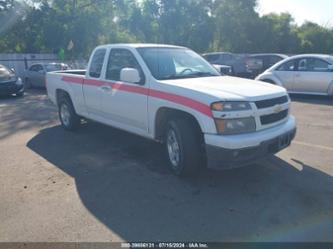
(273, 118)
(271, 102)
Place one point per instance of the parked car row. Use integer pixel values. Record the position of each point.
(36, 74)
(306, 74)
(244, 65)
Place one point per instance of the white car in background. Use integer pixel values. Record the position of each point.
(305, 74)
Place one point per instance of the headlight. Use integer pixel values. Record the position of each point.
(231, 106)
(19, 82)
(235, 126)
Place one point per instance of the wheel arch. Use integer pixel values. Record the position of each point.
(61, 93)
(164, 114)
(271, 79)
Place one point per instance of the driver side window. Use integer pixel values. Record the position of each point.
(288, 66)
(120, 59)
(313, 65)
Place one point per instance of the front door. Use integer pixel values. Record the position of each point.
(286, 74)
(125, 104)
(313, 76)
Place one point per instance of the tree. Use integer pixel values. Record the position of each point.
(6, 5)
(278, 33)
(203, 25)
(315, 39)
(236, 25)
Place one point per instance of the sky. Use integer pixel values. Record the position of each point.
(318, 11)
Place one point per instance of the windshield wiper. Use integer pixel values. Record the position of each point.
(174, 77)
(202, 74)
(192, 75)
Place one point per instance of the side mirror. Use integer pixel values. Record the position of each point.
(13, 70)
(130, 75)
(41, 72)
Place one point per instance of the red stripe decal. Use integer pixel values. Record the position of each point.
(185, 101)
(73, 79)
(94, 82)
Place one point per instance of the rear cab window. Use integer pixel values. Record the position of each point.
(97, 62)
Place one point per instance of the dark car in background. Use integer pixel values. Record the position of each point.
(258, 63)
(35, 75)
(9, 82)
(237, 62)
(223, 69)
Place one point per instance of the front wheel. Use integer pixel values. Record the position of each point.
(68, 117)
(184, 147)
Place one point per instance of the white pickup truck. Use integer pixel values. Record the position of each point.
(172, 95)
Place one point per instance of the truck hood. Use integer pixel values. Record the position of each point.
(228, 88)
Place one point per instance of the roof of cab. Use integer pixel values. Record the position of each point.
(140, 45)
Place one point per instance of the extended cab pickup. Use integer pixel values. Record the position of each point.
(172, 95)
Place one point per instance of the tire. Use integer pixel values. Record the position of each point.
(20, 94)
(69, 119)
(184, 148)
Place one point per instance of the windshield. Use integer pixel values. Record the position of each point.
(5, 73)
(176, 63)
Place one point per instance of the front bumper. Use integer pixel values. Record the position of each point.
(10, 88)
(235, 151)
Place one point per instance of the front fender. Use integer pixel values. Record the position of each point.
(270, 77)
(206, 123)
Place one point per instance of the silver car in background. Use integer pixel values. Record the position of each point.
(35, 75)
(305, 74)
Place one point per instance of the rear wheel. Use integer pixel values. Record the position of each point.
(68, 117)
(184, 147)
(20, 94)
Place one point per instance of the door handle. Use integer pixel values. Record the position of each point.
(106, 88)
